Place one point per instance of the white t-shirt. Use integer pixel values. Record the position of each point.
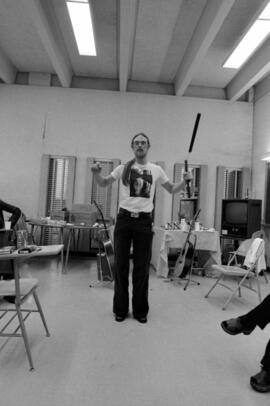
(138, 195)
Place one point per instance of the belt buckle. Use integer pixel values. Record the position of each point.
(134, 214)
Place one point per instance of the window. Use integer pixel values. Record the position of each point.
(56, 183)
(195, 187)
(232, 183)
(56, 189)
(60, 180)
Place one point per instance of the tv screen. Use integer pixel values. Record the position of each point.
(236, 212)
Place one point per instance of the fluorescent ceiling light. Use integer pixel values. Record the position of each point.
(80, 15)
(251, 41)
(265, 15)
(266, 157)
(253, 38)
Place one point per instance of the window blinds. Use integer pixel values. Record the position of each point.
(233, 183)
(178, 177)
(57, 177)
(60, 183)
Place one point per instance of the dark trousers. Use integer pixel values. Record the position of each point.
(260, 316)
(138, 232)
(6, 270)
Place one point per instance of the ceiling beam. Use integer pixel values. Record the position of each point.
(209, 24)
(7, 69)
(252, 72)
(128, 11)
(50, 41)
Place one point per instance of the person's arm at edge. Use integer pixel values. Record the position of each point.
(15, 212)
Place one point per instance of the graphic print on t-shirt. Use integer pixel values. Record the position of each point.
(140, 182)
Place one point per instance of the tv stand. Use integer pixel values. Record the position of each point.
(226, 247)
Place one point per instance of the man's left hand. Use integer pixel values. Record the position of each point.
(187, 176)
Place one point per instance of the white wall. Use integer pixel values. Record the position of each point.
(101, 123)
(261, 144)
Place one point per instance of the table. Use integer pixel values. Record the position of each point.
(43, 226)
(72, 229)
(73, 233)
(163, 240)
(44, 250)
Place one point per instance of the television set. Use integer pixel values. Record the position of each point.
(240, 217)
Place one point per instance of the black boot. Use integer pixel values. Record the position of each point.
(261, 381)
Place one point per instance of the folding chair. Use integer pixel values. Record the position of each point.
(20, 289)
(247, 272)
(241, 252)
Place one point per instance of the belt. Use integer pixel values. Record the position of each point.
(134, 214)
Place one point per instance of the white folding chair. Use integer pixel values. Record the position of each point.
(20, 289)
(241, 252)
(245, 273)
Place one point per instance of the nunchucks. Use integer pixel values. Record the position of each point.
(190, 150)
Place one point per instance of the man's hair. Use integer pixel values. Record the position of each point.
(137, 135)
(128, 165)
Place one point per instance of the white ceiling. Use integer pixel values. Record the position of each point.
(162, 46)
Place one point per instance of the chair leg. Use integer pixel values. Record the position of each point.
(25, 337)
(265, 277)
(212, 288)
(229, 299)
(238, 288)
(259, 288)
(41, 313)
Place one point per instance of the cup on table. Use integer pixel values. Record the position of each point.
(21, 238)
(7, 225)
(197, 226)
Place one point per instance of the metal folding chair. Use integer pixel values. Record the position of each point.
(245, 273)
(20, 289)
(241, 252)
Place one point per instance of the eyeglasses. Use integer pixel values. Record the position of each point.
(136, 143)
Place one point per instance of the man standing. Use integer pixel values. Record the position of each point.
(134, 225)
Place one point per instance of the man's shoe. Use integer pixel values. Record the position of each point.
(261, 381)
(119, 317)
(10, 299)
(142, 319)
(235, 326)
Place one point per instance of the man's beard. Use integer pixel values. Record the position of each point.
(140, 153)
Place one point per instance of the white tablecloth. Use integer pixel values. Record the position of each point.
(165, 239)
